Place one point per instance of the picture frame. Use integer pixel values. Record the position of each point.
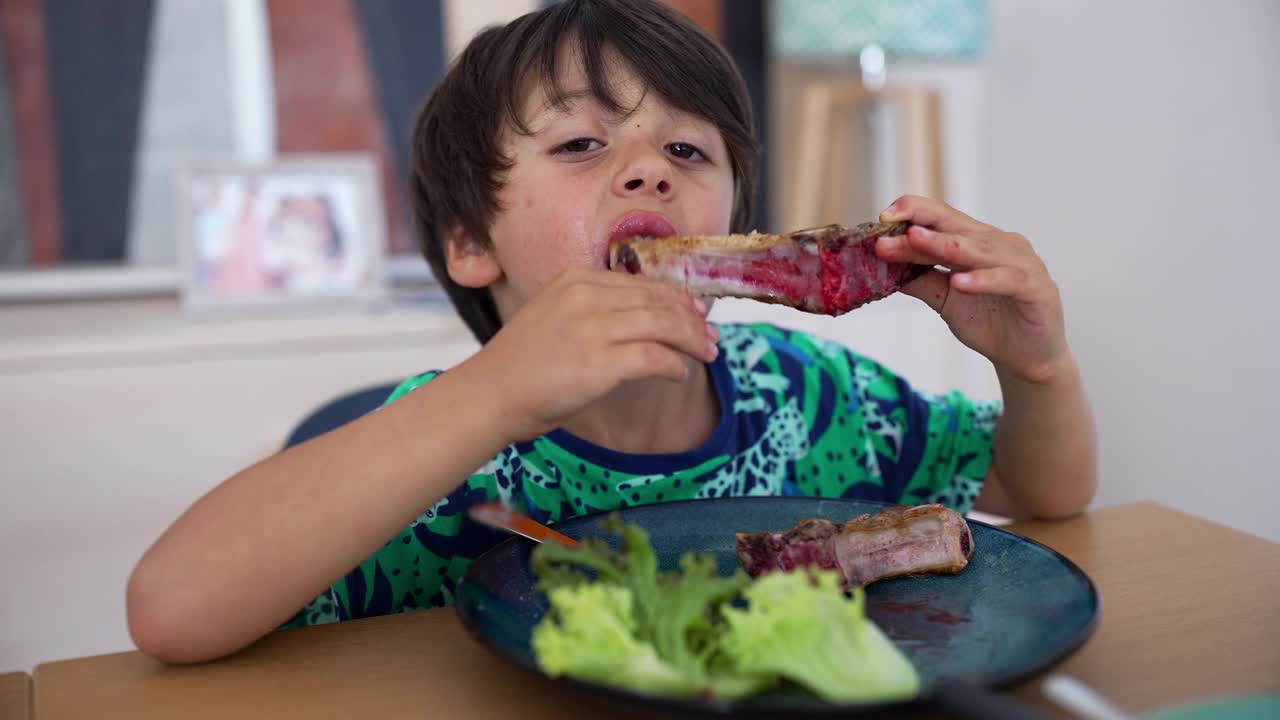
(293, 231)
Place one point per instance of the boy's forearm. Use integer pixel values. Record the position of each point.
(282, 530)
(1045, 445)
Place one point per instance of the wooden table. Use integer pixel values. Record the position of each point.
(15, 696)
(1191, 610)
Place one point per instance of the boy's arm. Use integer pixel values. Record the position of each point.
(1000, 300)
(263, 544)
(284, 529)
(1044, 464)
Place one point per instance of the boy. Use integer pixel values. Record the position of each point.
(570, 128)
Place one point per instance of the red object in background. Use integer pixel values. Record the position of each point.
(707, 13)
(26, 62)
(325, 94)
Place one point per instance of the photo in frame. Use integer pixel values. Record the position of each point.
(299, 229)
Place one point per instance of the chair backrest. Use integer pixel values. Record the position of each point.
(338, 412)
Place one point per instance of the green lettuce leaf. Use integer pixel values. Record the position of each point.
(803, 627)
(590, 634)
(615, 619)
(674, 615)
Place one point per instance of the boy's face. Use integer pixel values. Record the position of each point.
(587, 177)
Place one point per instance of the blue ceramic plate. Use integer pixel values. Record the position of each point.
(1016, 610)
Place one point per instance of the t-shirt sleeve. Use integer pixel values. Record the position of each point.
(420, 566)
(908, 446)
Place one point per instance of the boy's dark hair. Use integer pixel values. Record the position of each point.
(457, 164)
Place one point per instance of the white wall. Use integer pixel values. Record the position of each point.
(465, 18)
(115, 418)
(1147, 170)
(1137, 144)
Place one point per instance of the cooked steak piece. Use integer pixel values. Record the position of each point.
(829, 270)
(904, 540)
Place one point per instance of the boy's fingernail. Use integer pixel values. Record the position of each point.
(715, 349)
(891, 213)
(700, 306)
(891, 242)
(713, 332)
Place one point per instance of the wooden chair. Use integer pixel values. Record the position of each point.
(15, 696)
(821, 175)
(339, 411)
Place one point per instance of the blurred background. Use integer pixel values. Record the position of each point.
(175, 298)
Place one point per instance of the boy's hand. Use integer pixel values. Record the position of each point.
(579, 338)
(999, 298)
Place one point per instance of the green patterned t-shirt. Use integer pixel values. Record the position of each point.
(799, 415)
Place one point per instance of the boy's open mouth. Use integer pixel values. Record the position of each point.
(639, 223)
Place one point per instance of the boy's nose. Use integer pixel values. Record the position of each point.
(645, 173)
(662, 186)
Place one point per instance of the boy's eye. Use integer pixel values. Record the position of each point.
(685, 151)
(579, 145)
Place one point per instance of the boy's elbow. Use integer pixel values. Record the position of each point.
(157, 625)
(1063, 498)
(151, 626)
(1067, 502)
(1058, 511)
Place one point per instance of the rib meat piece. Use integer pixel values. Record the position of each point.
(829, 270)
(904, 540)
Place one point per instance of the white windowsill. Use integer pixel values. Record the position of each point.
(157, 330)
(125, 281)
(49, 284)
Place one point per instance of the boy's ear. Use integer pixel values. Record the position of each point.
(470, 263)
